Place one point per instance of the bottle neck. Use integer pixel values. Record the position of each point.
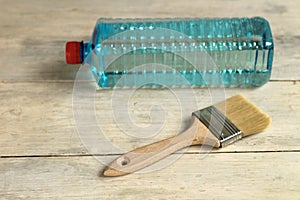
(86, 49)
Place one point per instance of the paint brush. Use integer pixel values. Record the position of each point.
(217, 126)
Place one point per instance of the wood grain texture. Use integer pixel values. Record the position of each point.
(215, 176)
(40, 121)
(43, 157)
(33, 34)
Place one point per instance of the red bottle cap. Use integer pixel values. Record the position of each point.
(74, 52)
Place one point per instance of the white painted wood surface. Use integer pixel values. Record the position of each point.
(43, 157)
(216, 176)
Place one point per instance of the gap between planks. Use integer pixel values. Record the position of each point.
(92, 81)
(91, 155)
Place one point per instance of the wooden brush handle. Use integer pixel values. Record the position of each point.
(146, 155)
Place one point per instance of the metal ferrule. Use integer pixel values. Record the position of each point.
(219, 125)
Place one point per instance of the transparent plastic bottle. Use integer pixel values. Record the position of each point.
(176, 52)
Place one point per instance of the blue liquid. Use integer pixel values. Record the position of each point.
(180, 52)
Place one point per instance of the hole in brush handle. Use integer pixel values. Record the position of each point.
(123, 161)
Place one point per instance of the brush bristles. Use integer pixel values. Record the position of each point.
(244, 115)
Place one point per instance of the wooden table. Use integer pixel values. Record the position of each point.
(43, 156)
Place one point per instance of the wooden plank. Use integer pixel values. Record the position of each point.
(33, 33)
(216, 176)
(37, 118)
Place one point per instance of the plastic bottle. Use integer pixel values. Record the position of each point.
(176, 52)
